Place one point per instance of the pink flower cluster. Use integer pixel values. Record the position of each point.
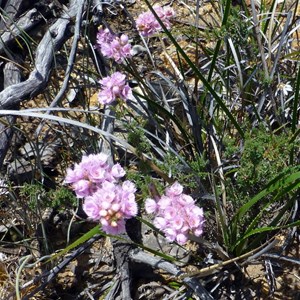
(105, 199)
(176, 214)
(112, 46)
(114, 87)
(148, 25)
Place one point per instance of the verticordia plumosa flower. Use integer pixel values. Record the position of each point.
(148, 25)
(113, 46)
(176, 214)
(114, 87)
(106, 199)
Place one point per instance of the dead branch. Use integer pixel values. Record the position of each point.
(12, 75)
(71, 61)
(11, 10)
(52, 41)
(140, 256)
(27, 22)
(121, 253)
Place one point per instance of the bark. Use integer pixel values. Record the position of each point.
(140, 256)
(26, 23)
(15, 91)
(52, 41)
(121, 253)
(12, 75)
(12, 9)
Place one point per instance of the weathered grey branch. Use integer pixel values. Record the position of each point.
(12, 75)
(73, 52)
(140, 256)
(38, 78)
(71, 60)
(24, 24)
(12, 9)
(121, 254)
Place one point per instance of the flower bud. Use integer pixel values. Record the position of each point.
(124, 39)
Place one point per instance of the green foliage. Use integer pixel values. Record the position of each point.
(136, 136)
(199, 166)
(61, 198)
(35, 195)
(236, 27)
(38, 197)
(262, 180)
(172, 165)
(264, 156)
(284, 186)
(231, 147)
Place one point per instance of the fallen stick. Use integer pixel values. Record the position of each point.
(12, 75)
(52, 41)
(140, 256)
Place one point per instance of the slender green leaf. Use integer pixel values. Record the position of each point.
(81, 240)
(283, 192)
(267, 229)
(277, 183)
(219, 42)
(198, 73)
(278, 219)
(187, 137)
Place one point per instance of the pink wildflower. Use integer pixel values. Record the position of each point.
(177, 222)
(91, 208)
(164, 202)
(105, 199)
(170, 233)
(181, 238)
(114, 205)
(74, 175)
(150, 206)
(113, 87)
(128, 187)
(114, 228)
(174, 190)
(82, 188)
(160, 223)
(176, 214)
(170, 212)
(117, 171)
(112, 46)
(148, 25)
(103, 36)
(91, 172)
